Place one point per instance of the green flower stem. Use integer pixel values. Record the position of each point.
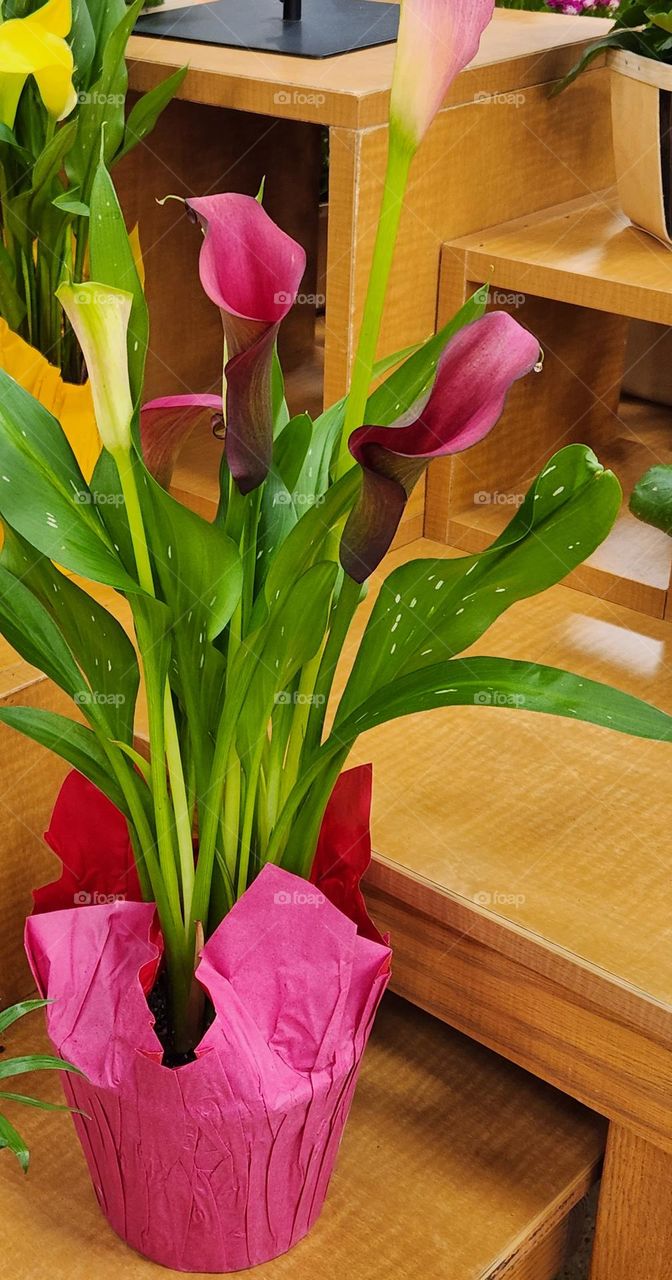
(180, 806)
(399, 159)
(247, 828)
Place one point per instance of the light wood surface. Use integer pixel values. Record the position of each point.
(353, 89)
(454, 1165)
(634, 1226)
(585, 252)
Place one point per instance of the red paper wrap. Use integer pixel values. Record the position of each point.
(223, 1163)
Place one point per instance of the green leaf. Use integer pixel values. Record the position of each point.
(49, 164)
(112, 263)
(16, 1011)
(96, 640)
(101, 113)
(147, 110)
(38, 1102)
(43, 494)
(12, 305)
(82, 40)
(271, 657)
(9, 139)
(504, 683)
(10, 1139)
(619, 39)
(651, 499)
(72, 742)
(428, 610)
(34, 1062)
(67, 202)
(283, 498)
(28, 627)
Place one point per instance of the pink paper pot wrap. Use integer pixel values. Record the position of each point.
(225, 1162)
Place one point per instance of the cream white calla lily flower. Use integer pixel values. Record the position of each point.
(99, 316)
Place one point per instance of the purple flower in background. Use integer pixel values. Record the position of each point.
(598, 7)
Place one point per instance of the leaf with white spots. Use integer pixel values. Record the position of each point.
(428, 610)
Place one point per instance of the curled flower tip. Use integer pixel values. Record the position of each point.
(437, 39)
(474, 375)
(167, 423)
(251, 270)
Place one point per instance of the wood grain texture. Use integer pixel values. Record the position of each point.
(353, 89)
(634, 1224)
(29, 778)
(635, 111)
(454, 1164)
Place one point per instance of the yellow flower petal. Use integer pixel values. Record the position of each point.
(55, 16)
(35, 46)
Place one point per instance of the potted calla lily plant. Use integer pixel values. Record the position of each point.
(212, 969)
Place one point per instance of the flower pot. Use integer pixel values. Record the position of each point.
(71, 405)
(223, 1163)
(641, 108)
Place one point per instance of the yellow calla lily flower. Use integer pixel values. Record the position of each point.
(36, 46)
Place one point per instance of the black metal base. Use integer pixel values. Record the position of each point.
(328, 27)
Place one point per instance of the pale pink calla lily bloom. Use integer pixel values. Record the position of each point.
(252, 271)
(473, 377)
(437, 39)
(165, 426)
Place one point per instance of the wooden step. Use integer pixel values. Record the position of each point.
(455, 1165)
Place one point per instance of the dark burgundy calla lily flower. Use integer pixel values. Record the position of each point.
(165, 426)
(473, 377)
(252, 271)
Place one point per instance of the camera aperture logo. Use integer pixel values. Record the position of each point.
(85, 899)
(298, 898)
(498, 698)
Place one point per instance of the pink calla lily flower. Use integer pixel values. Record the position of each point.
(473, 377)
(437, 39)
(252, 271)
(165, 426)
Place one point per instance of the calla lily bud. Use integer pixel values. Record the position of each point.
(474, 376)
(36, 46)
(99, 316)
(437, 39)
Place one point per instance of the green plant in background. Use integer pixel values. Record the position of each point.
(63, 84)
(651, 499)
(645, 29)
(10, 1139)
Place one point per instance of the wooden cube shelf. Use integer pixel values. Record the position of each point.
(574, 274)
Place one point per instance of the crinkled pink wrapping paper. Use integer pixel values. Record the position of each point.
(223, 1163)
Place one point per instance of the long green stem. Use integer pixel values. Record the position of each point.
(396, 177)
(180, 806)
(344, 610)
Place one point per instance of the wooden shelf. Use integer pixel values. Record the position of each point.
(573, 274)
(454, 1163)
(585, 252)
